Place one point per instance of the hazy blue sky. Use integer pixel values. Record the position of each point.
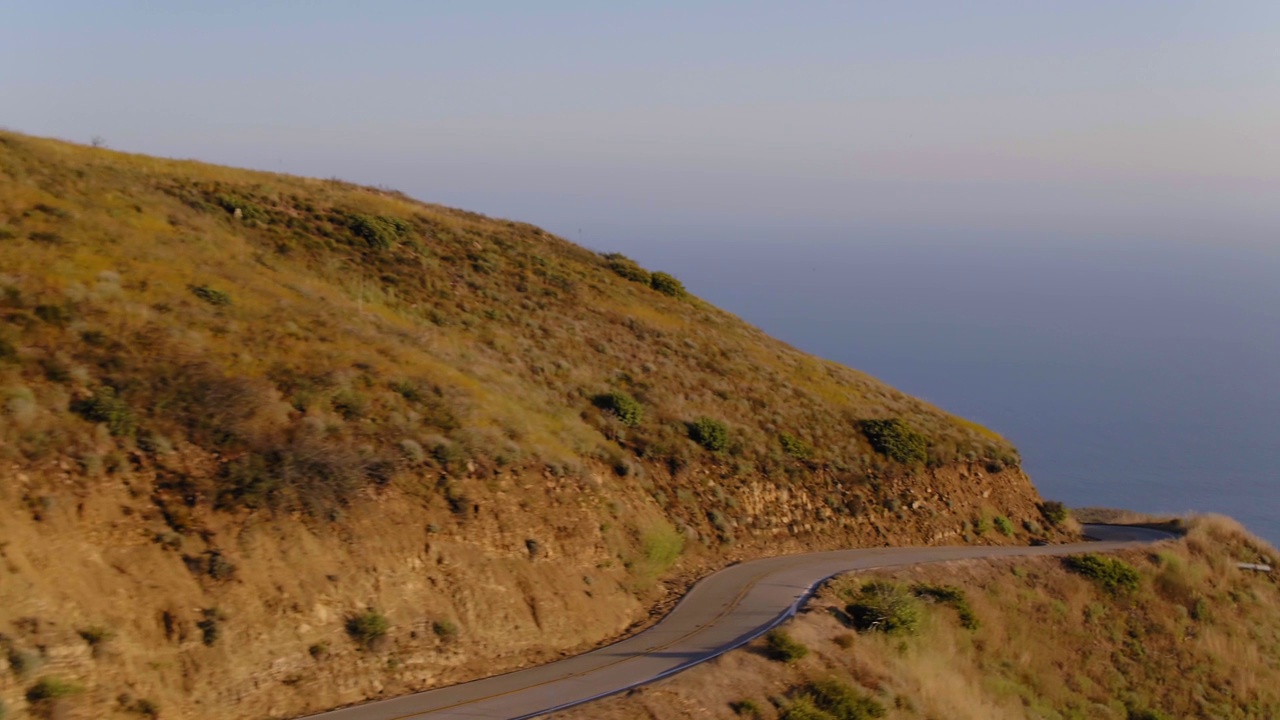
(1104, 176)
(690, 121)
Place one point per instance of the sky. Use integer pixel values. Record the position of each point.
(1059, 218)
(629, 124)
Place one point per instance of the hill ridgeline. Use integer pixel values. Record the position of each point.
(270, 444)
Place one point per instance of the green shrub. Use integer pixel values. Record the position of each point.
(95, 635)
(794, 446)
(145, 708)
(709, 433)
(445, 629)
(1111, 574)
(780, 646)
(1146, 714)
(627, 409)
(982, 525)
(1054, 512)
(666, 284)
(804, 708)
(842, 701)
(210, 625)
(380, 232)
(745, 708)
(884, 607)
(1201, 610)
(952, 596)
(628, 268)
(104, 406)
(8, 353)
(1004, 526)
(50, 688)
(368, 628)
(58, 315)
(412, 450)
(209, 295)
(895, 440)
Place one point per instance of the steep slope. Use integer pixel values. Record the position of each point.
(291, 443)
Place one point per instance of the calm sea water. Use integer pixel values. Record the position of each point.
(1143, 375)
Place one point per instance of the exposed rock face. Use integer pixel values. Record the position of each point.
(463, 593)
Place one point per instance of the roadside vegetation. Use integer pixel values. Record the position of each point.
(1174, 631)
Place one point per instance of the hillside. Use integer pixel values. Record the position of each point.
(274, 444)
(1178, 631)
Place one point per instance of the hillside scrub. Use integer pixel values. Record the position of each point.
(1052, 643)
(339, 278)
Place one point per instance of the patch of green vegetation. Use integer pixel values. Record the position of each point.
(1114, 575)
(952, 596)
(831, 699)
(95, 635)
(709, 433)
(51, 688)
(1054, 512)
(661, 546)
(780, 646)
(368, 627)
(213, 297)
(746, 708)
(624, 407)
(8, 353)
(667, 284)
(894, 439)
(628, 268)
(884, 607)
(380, 232)
(210, 625)
(842, 701)
(795, 447)
(1004, 525)
(106, 407)
(445, 629)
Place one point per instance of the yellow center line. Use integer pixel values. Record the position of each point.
(701, 628)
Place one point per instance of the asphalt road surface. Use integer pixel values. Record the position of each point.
(721, 612)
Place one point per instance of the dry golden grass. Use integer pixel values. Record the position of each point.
(263, 319)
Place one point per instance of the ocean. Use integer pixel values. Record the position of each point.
(1136, 374)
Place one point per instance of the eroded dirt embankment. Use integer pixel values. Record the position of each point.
(236, 616)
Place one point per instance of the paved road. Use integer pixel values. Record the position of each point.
(721, 612)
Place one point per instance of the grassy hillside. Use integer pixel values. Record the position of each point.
(219, 385)
(1175, 632)
(260, 316)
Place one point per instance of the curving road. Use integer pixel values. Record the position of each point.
(721, 612)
